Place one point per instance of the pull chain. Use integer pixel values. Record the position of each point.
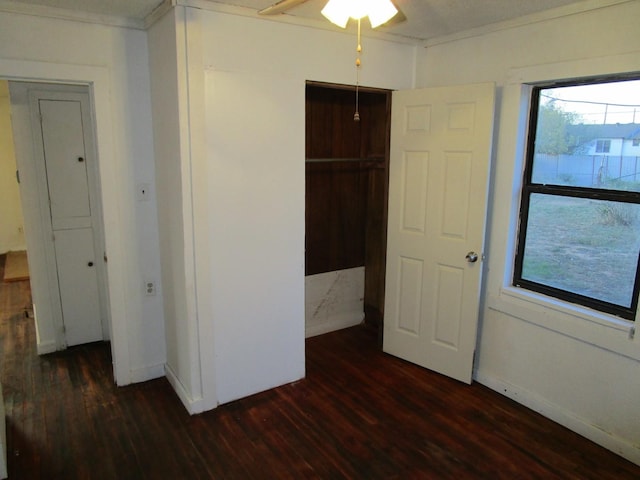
(356, 115)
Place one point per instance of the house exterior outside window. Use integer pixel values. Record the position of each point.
(579, 231)
(603, 146)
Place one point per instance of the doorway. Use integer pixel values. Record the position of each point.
(56, 157)
(347, 171)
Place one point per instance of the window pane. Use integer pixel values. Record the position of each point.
(583, 246)
(587, 136)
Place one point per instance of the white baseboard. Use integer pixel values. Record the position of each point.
(142, 374)
(332, 324)
(581, 426)
(192, 405)
(46, 347)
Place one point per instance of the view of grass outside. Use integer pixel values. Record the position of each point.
(583, 246)
(581, 233)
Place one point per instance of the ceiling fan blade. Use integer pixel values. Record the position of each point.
(397, 18)
(280, 7)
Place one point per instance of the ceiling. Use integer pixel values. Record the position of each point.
(426, 19)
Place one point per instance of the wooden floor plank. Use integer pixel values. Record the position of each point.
(16, 267)
(359, 414)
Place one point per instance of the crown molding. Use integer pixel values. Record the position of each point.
(9, 6)
(17, 7)
(558, 12)
(158, 12)
(320, 24)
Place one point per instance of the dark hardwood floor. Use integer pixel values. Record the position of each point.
(359, 414)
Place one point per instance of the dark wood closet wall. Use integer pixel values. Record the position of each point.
(346, 185)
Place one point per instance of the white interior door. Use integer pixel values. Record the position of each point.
(69, 168)
(438, 183)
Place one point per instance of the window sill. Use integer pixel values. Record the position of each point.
(605, 331)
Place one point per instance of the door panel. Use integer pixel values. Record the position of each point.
(414, 171)
(410, 295)
(447, 314)
(78, 285)
(440, 156)
(457, 184)
(66, 162)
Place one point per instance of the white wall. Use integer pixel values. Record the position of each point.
(113, 62)
(574, 365)
(243, 172)
(11, 223)
(173, 176)
(230, 100)
(255, 111)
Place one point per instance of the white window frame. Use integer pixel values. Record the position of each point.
(603, 146)
(530, 187)
(584, 324)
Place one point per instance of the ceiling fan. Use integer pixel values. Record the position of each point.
(338, 12)
(283, 6)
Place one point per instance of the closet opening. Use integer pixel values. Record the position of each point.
(347, 176)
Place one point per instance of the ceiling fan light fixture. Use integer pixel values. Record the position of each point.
(381, 11)
(338, 12)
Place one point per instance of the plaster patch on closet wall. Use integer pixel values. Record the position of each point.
(334, 300)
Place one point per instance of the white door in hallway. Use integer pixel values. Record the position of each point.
(438, 185)
(69, 167)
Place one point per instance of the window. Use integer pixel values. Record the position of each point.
(603, 146)
(636, 142)
(579, 234)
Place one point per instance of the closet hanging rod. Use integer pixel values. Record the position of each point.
(326, 160)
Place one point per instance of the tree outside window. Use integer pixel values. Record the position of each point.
(579, 234)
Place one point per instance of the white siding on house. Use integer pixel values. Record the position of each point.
(629, 149)
(606, 147)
